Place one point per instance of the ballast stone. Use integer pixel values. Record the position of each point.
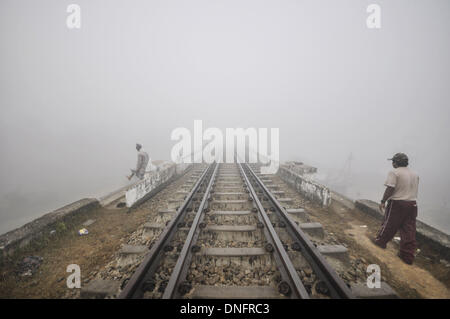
(360, 290)
(100, 289)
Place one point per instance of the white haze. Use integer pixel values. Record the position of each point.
(73, 103)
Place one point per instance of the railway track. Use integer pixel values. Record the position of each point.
(232, 237)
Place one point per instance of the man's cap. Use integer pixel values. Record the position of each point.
(138, 145)
(399, 157)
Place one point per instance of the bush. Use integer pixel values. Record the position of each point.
(60, 227)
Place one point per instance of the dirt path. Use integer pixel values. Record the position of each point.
(412, 275)
(426, 278)
(91, 252)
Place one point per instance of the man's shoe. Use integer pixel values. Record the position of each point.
(374, 241)
(404, 260)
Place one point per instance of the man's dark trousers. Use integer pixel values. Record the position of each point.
(400, 216)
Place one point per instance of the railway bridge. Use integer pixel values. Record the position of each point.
(225, 230)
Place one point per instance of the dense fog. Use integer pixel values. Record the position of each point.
(73, 102)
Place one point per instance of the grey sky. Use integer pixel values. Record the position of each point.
(74, 102)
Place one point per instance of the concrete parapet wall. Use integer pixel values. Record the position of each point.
(308, 188)
(424, 233)
(300, 168)
(121, 192)
(22, 236)
(111, 197)
(153, 181)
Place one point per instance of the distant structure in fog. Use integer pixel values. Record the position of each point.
(343, 178)
(300, 168)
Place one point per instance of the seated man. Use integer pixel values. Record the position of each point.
(142, 162)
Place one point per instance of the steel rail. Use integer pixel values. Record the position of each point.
(177, 285)
(338, 288)
(286, 268)
(134, 287)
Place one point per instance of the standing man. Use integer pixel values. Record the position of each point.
(401, 209)
(141, 165)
